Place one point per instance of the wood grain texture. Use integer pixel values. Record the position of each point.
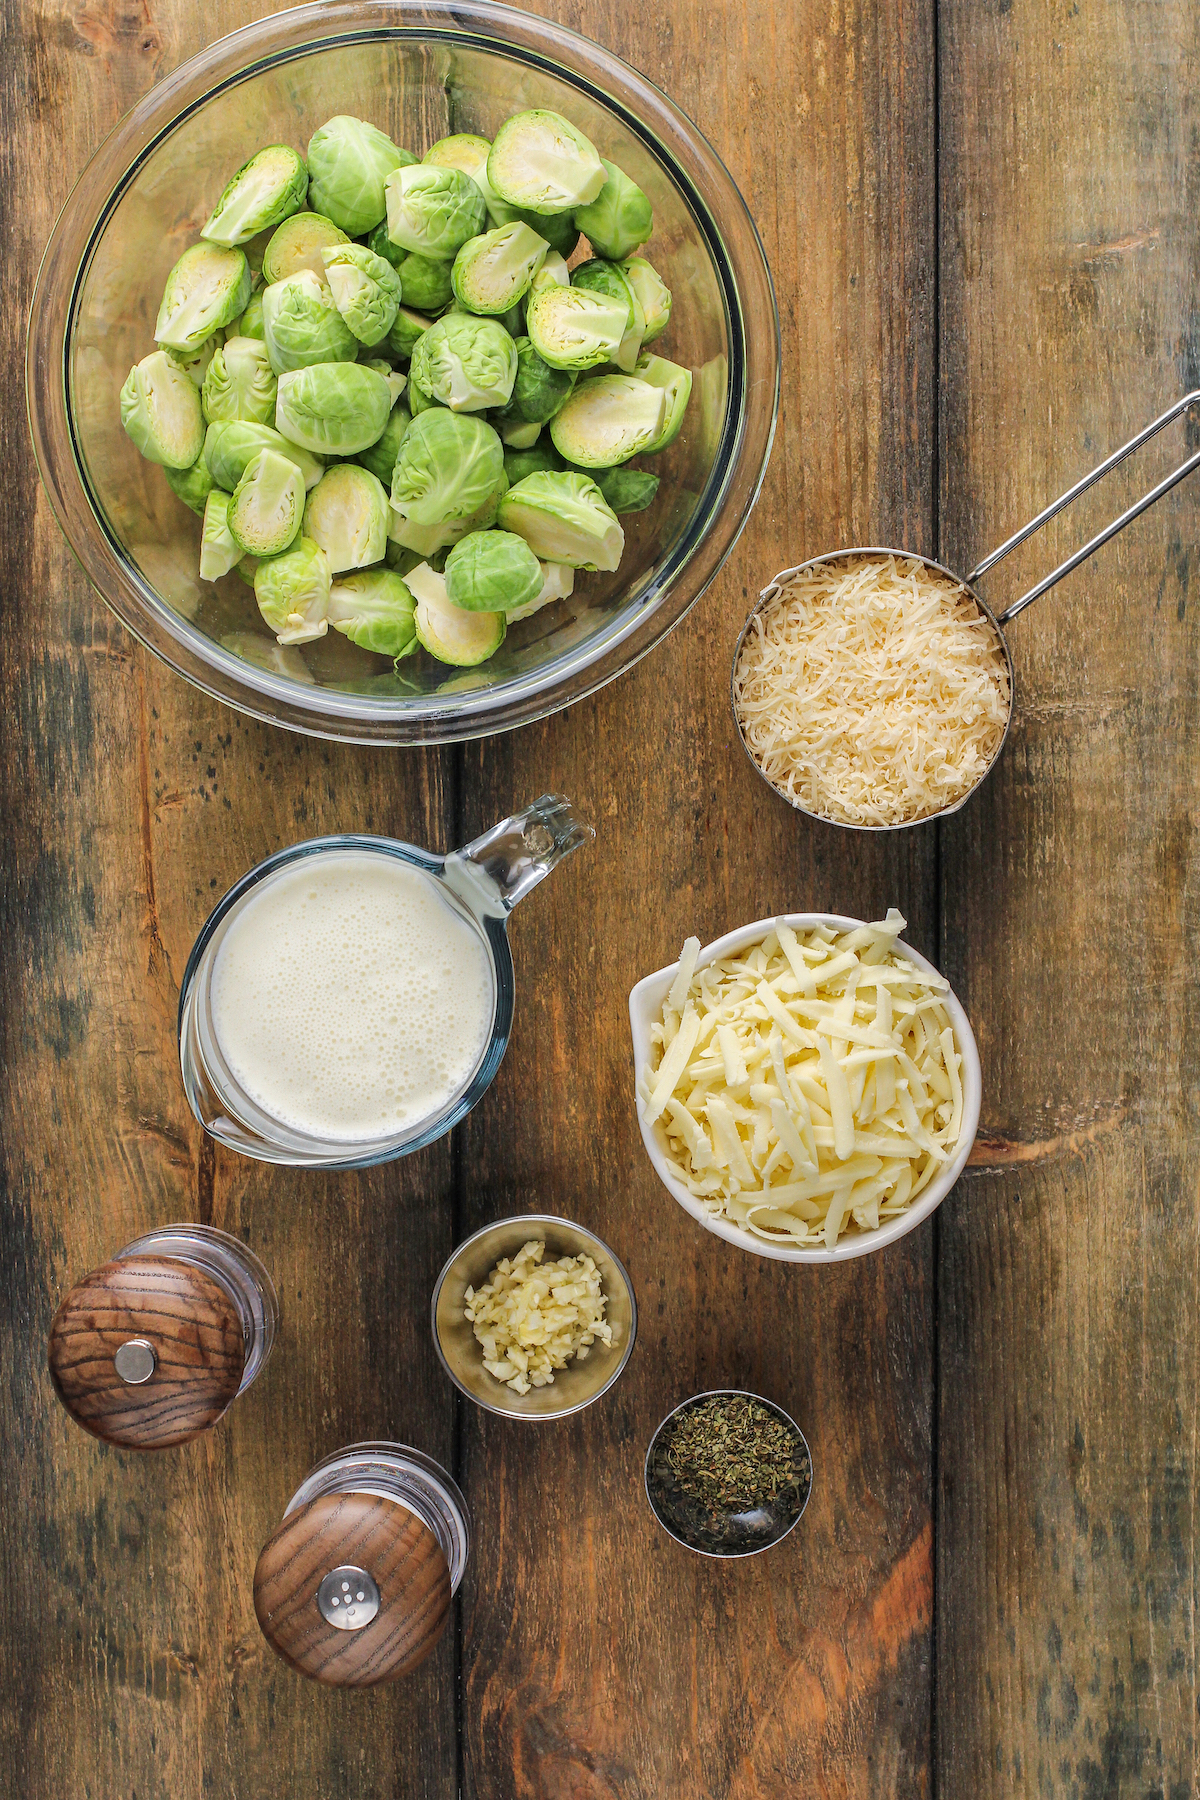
(394, 1547)
(196, 1335)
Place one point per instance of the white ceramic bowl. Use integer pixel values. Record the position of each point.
(645, 1007)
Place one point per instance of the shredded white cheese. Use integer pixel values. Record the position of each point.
(807, 1086)
(871, 691)
(532, 1317)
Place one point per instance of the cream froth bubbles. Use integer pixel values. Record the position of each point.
(350, 1000)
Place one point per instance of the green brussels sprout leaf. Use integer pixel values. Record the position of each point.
(652, 292)
(676, 385)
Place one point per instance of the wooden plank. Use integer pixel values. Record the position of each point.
(599, 1658)
(1069, 1356)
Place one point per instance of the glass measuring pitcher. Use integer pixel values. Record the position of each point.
(473, 890)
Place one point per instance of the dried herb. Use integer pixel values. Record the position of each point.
(729, 1473)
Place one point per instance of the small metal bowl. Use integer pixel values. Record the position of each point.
(733, 1533)
(454, 1338)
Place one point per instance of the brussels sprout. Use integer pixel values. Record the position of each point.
(193, 485)
(265, 191)
(492, 272)
(619, 218)
(463, 639)
(540, 161)
(336, 407)
(303, 326)
(433, 211)
(250, 324)
(543, 458)
(515, 434)
(676, 385)
(240, 383)
(468, 154)
(267, 504)
(600, 277)
(538, 391)
(379, 241)
(160, 409)
(347, 514)
(492, 571)
(449, 466)
(196, 363)
(653, 293)
(374, 610)
(466, 363)
(348, 163)
(553, 273)
(298, 245)
(564, 518)
(571, 328)
(207, 288)
(292, 591)
(405, 333)
(229, 446)
(264, 654)
(558, 583)
(626, 490)
(219, 549)
(380, 457)
(607, 420)
(365, 289)
(427, 284)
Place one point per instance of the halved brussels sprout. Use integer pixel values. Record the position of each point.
(468, 154)
(265, 191)
(406, 331)
(558, 583)
(374, 609)
(433, 211)
(292, 591)
(229, 446)
(553, 273)
(276, 658)
(298, 245)
(347, 514)
(468, 364)
(607, 420)
(517, 434)
(379, 241)
(492, 272)
(541, 161)
(676, 385)
(600, 277)
(427, 284)
(160, 409)
(196, 363)
(380, 457)
(334, 407)
(564, 518)
(538, 391)
(619, 218)
(450, 465)
(303, 326)
(542, 459)
(219, 549)
(653, 293)
(571, 328)
(463, 639)
(492, 571)
(267, 505)
(250, 323)
(240, 383)
(207, 288)
(192, 485)
(626, 490)
(348, 163)
(365, 289)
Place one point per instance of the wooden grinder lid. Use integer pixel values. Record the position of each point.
(147, 1352)
(352, 1589)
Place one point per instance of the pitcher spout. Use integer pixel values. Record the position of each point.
(498, 869)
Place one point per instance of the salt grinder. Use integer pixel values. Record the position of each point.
(355, 1585)
(149, 1351)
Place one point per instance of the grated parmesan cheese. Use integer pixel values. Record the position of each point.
(808, 1085)
(531, 1317)
(871, 691)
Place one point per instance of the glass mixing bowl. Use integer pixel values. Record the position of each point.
(420, 69)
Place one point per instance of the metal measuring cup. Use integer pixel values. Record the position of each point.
(779, 582)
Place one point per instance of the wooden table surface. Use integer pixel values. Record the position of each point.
(981, 216)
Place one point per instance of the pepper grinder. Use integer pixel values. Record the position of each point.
(354, 1587)
(150, 1350)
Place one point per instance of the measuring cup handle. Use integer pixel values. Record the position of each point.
(501, 866)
